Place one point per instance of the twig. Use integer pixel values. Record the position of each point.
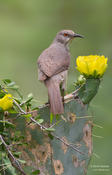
(72, 95)
(66, 99)
(13, 160)
(45, 128)
(42, 127)
(58, 138)
(67, 144)
(21, 110)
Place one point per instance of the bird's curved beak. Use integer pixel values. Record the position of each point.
(78, 35)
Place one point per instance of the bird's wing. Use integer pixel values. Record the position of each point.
(41, 75)
(53, 61)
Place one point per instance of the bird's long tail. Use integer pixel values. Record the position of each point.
(55, 99)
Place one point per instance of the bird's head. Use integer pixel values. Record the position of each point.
(64, 36)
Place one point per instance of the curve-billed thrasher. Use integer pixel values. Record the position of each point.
(53, 66)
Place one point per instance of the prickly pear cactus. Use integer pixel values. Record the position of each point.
(69, 152)
(67, 149)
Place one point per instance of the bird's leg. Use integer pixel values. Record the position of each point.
(63, 93)
(62, 89)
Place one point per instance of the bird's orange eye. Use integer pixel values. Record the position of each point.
(65, 34)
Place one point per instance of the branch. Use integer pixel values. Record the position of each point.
(12, 159)
(67, 98)
(67, 144)
(44, 128)
(72, 95)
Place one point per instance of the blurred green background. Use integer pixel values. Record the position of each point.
(28, 27)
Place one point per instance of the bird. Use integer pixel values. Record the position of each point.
(53, 64)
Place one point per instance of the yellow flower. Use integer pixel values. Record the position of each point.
(92, 65)
(6, 102)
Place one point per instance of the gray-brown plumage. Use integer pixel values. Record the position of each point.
(53, 65)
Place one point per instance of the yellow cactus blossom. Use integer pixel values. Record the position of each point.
(6, 102)
(92, 65)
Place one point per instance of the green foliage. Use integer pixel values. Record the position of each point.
(8, 130)
(62, 128)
